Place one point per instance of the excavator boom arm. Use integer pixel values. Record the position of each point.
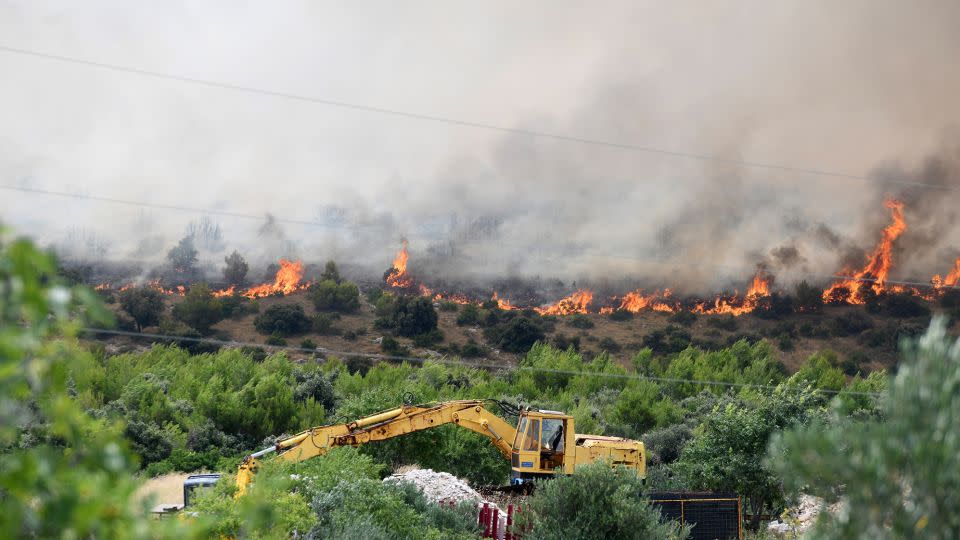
(318, 441)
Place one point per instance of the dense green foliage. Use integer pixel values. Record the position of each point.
(199, 309)
(63, 474)
(330, 295)
(900, 475)
(282, 319)
(597, 502)
(143, 304)
(412, 316)
(181, 408)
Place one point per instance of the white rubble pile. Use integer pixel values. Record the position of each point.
(445, 487)
(437, 486)
(801, 518)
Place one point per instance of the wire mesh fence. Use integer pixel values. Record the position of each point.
(712, 516)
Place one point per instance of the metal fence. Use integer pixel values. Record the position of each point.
(712, 516)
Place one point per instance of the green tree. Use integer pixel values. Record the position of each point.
(330, 272)
(77, 481)
(284, 319)
(519, 335)
(412, 316)
(183, 256)
(235, 271)
(329, 295)
(727, 454)
(598, 502)
(899, 476)
(199, 309)
(143, 304)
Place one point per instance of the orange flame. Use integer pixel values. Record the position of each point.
(398, 272)
(502, 303)
(578, 302)
(878, 263)
(286, 281)
(636, 301)
(224, 292)
(952, 278)
(759, 288)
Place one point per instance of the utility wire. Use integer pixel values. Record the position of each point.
(463, 123)
(161, 206)
(445, 360)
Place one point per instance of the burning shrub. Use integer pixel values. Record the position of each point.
(807, 298)
(286, 320)
(328, 295)
(144, 304)
(235, 272)
(199, 309)
(413, 316)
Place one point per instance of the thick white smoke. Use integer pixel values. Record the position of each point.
(864, 87)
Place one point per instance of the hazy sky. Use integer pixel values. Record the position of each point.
(842, 87)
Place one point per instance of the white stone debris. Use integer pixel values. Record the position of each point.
(445, 487)
(798, 520)
(437, 486)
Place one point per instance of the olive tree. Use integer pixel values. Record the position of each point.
(898, 477)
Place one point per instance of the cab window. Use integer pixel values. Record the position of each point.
(521, 433)
(532, 441)
(552, 438)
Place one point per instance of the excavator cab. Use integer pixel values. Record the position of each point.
(542, 446)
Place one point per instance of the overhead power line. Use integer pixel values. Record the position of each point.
(143, 204)
(454, 362)
(461, 122)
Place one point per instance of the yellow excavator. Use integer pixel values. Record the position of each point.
(542, 444)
